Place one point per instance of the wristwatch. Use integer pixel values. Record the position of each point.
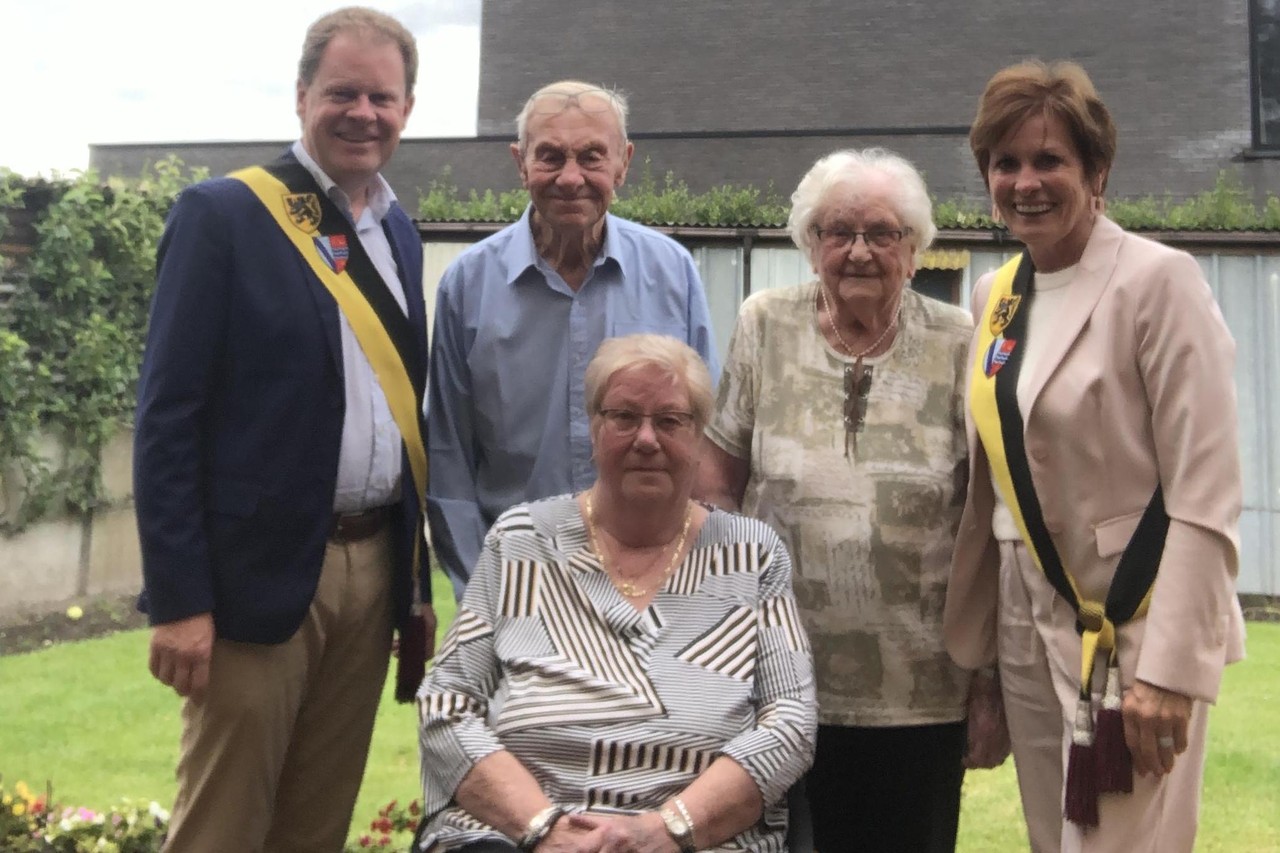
(539, 827)
(679, 828)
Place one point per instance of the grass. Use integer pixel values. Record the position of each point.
(1240, 807)
(88, 717)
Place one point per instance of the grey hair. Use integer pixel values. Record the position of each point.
(616, 100)
(848, 173)
(357, 19)
(671, 355)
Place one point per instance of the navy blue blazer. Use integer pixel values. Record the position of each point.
(239, 421)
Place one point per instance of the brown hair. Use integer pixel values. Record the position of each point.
(1060, 89)
(367, 22)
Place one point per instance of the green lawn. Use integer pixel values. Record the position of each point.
(88, 717)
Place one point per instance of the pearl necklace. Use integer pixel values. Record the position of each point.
(835, 327)
(627, 588)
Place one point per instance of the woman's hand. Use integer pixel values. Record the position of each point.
(641, 833)
(1155, 726)
(988, 730)
(566, 837)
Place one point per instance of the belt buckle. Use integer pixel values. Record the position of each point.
(355, 526)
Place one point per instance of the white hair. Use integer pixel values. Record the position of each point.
(616, 100)
(850, 173)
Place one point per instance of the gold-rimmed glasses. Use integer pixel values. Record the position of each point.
(626, 422)
(556, 101)
(842, 238)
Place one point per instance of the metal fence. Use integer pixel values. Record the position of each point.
(1245, 281)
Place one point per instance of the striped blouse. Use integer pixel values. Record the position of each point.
(608, 706)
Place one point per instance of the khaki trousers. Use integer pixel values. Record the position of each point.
(273, 756)
(1039, 683)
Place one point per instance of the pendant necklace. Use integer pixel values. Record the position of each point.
(627, 588)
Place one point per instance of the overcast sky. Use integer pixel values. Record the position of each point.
(82, 71)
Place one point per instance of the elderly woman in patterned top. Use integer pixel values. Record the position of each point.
(626, 671)
(840, 422)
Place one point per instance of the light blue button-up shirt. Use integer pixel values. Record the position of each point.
(506, 407)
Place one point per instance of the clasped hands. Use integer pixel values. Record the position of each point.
(597, 832)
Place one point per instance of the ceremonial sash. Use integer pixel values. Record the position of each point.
(327, 242)
(1001, 344)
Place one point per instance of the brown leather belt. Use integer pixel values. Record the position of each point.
(354, 526)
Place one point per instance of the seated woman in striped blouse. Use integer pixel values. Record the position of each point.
(626, 670)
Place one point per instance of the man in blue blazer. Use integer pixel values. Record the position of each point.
(277, 492)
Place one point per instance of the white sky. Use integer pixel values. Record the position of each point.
(82, 71)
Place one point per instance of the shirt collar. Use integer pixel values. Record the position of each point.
(381, 196)
(521, 253)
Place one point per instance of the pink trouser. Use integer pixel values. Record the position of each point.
(1040, 672)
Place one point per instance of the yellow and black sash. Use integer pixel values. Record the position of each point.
(329, 245)
(993, 389)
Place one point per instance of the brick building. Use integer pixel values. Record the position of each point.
(749, 91)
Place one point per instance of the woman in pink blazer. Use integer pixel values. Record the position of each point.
(1099, 541)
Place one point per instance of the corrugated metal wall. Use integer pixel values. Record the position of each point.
(1247, 286)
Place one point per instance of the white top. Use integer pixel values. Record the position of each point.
(1051, 293)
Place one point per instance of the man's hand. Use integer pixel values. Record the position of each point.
(180, 654)
(988, 730)
(1155, 726)
(429, 626)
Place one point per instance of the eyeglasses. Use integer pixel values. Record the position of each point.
(857, 389)
(843, 238)
(555, 102)
(626, 422)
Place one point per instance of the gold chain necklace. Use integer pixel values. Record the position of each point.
(627, 588)
(835, 327)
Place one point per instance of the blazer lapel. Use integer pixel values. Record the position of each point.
(1096, 267)
(416, 307)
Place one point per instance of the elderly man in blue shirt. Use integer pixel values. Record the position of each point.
(519, 315)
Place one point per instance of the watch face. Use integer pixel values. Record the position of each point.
(675, 823)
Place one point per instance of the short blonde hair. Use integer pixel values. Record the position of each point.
(671, 355)
(361, 21)
(852, 171)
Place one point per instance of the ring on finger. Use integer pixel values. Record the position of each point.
(1165, 742)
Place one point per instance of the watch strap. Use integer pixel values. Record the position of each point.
(539, 827)
(679, 828)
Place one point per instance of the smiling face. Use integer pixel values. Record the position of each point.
(861, 271)
(572, 162)
(355, 109)
(650, 464)
(1039, 185)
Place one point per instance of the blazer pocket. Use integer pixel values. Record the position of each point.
(1114, 534)
(234, 497)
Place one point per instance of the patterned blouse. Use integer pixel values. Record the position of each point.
(871, 531)
(608, 706)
